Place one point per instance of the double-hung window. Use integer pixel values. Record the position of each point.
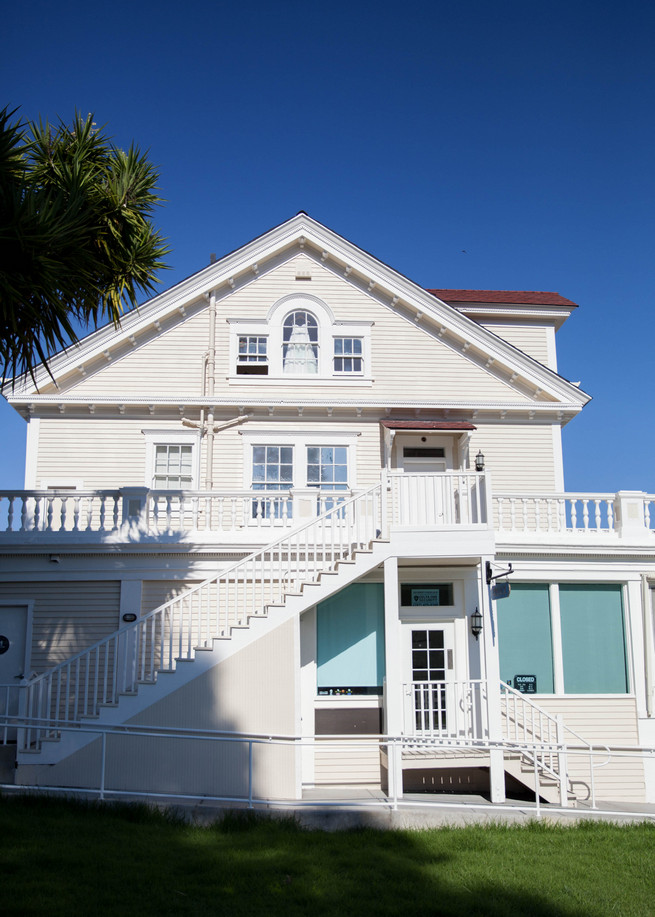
(348, 355)
(272, 470)
(173, 467)
(252, 356)
(327, 470)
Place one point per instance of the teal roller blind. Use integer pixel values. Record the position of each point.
(350, 637)
(525, 641)
(593, 639)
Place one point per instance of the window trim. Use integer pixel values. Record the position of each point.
(553, 590)
(299, 442)
(329, 329)
(175, 437)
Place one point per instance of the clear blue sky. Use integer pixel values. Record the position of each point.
(522, 132)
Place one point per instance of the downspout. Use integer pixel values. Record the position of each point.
(210, 387)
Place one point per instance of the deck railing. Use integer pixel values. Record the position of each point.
(580, 514)
(446, 498)
(446, 709)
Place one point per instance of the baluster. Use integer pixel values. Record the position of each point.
(585, 514)
(524, 514)
(115, 515)
(597, 515)
(537, 514)
(610, 515)
(37, 514)
(512, 508)
(103, 513)
(574, 514)
(10, 514)
(23, 514)
(63, 513)
(76, 514)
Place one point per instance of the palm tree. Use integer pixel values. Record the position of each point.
(76, 242)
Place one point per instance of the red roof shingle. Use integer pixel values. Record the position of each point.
(523, 297)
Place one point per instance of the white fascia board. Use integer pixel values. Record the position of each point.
(514, 407)
(294, 231)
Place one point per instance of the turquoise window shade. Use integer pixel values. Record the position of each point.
(593, 639)
(525, 641)
(350, 637)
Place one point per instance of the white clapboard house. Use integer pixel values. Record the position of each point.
(265, 538)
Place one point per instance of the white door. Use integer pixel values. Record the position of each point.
(430, 678)
(13, 648)
(423, 497)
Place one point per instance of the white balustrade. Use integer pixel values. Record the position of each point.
(447, 710)
(567, 513)
(445, 498)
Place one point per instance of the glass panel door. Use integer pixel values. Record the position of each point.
(430, 669)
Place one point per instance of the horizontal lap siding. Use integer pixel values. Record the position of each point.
(603, 720)
(407, 362)
(68, 617)
(346, 766)
(531, 339)
(519, 457)
(168, 365)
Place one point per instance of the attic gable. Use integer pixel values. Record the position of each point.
(244, 271)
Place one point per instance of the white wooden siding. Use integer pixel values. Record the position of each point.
(407, 362)
(603, 720)
(158, 592)
(68, 616)
(355, 764)
(530, 338)
(519, 457)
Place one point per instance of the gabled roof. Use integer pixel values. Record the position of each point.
(390, 289)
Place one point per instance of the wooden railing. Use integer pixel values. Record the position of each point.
(623, 514)
(448, 710)
(156, 641)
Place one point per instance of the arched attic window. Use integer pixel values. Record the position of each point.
(300, 343)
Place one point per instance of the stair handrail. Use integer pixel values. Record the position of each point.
(560, 727)
(125, 639)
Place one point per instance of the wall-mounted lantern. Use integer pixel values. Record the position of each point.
(479, 461)
(476, 623)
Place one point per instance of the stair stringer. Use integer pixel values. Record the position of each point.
(131, 705)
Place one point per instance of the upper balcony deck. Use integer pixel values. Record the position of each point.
(440, 501)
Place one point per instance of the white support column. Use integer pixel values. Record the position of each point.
(393, 713)
(130, 603)
(489, 639)
(556, 636)
(307, 635)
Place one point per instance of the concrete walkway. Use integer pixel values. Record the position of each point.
(342, 808)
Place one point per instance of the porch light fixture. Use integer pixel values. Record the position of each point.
(479, 461)
(476, 623)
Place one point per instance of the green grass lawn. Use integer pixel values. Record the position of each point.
(59, 857)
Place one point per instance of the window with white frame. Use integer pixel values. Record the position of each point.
(564, 638)
(300, 343)
(348, 355)
(173, 467)
(272, 470)
(280, 462)
(252, 357)
(300, 336)
(171, 459)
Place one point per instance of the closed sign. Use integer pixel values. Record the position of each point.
(526, 684)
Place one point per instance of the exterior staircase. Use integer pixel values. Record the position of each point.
(535, 749)
(142, 662)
